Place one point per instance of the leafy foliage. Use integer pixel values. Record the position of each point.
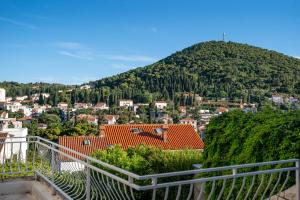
(237, 137)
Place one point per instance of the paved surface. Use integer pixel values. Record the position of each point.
(17, 197)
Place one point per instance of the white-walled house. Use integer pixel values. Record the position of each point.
(111, 119)
(13, 106)
(125, 103)
(2, 95)
(190, 121)
(62, 105)
(17, 147)
(160, 104)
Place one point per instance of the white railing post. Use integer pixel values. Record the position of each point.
(234, 171)
(154, 183)
(88, 181)
(298, 180)
(52, 166)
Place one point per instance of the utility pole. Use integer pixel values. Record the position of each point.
(224, 34)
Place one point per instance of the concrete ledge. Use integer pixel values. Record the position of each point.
(29, 189)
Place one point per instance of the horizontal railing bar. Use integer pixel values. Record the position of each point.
(133, 175)
(203, 180)
(17, 142)
(91, 166)
(196, 171)
(11, 173)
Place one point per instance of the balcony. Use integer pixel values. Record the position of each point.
(35, 168)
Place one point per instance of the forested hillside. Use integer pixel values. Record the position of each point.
(211, 69)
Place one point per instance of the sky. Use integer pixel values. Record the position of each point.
(76, 41)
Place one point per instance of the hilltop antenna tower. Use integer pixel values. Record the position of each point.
(224, 34)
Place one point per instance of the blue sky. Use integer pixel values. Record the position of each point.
(74, 41)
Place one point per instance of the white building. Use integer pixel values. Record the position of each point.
(2, 95)
(190, 121)
(36, 96)
(13, 106)
(17, 147)
(277, 99)
(21, 98)
(85, 87)
(125, 103)
(111, 119)
(62, 106)
(160, 104)
(82, 105)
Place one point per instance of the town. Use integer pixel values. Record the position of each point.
(18, 114)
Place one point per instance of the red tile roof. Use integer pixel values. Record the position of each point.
(110, 117)
(179, 136)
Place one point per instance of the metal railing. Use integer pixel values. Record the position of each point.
(77, 176)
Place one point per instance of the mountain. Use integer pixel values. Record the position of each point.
(212, 69)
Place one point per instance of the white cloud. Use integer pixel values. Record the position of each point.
(133, 58)
(84, 55)
(17, 23)
(69, 45)
(297, 57)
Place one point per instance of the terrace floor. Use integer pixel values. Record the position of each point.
(26, 189)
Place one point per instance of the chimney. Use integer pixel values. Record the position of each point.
(165, 128)
(102, 131)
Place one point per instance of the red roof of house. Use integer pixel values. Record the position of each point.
(110, 117)
(179, 136)
(87, 117)
(100, 104)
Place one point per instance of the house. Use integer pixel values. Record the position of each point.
(85, 87)
(125, 103)
(13, 146)
(164, 118)
(6, 122)
(182, 110)
(160, 104)
(62, 105)
(277, 99)
(221, 110)
(82, 105)
(4, 115)
(36, 96)
(8, 99)
(2, 95)
(90, 118)
(189, 121)
(25, 120)
(101, 106)
(42, 126)
(21, 98)
(198, 99)
(111, 119)
(13, 106)
(168, 137)
(203, 111)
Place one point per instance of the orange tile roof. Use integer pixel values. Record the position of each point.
(110, 117)
(179, 136)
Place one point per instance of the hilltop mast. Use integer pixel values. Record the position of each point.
(224, 34)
